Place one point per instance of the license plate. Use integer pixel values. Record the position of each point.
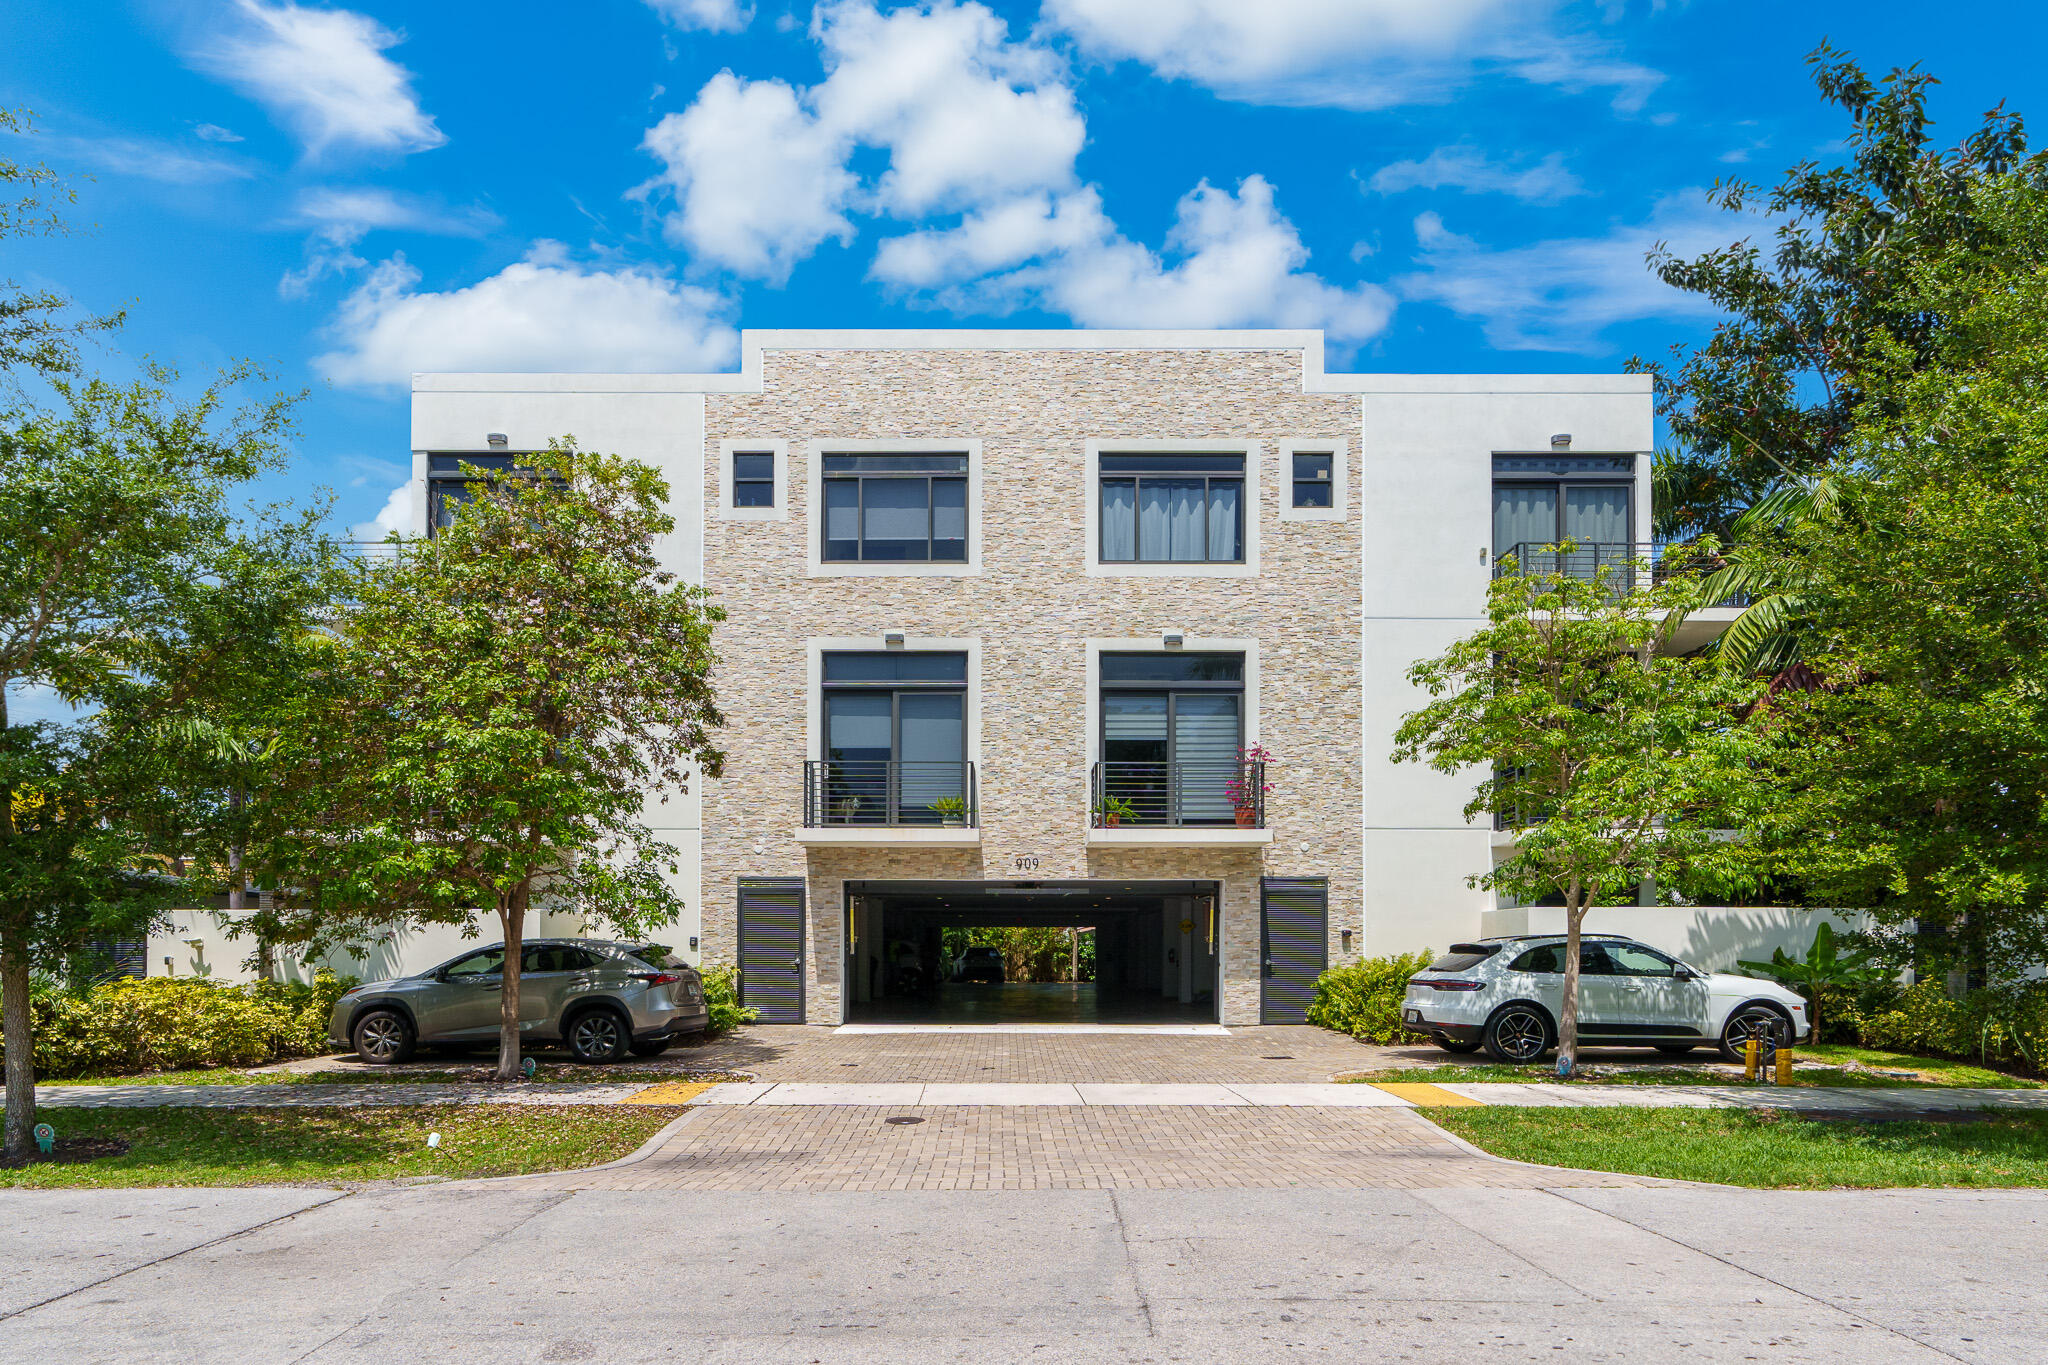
(1414, 1016)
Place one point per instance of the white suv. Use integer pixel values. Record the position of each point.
(1504, 994)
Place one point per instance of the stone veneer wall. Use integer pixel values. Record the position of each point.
(1032, 607)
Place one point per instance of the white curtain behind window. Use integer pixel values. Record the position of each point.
(1119, 526)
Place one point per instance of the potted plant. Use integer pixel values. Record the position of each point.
(951, 810)
(1111, 811)
(1247, 791)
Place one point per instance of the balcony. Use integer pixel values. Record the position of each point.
(876, 803)
(1137, 805)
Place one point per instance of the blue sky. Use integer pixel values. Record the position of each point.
(351, 193)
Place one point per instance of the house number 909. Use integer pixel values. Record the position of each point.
(1024, 862)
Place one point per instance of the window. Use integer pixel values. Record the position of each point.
(1547, 500)
(1172, 725)
(895, 740)
(753, 478)
(554, 957)
(1314, 480)
(1548, 958)
(909, 508)
(448, 487)
(1171, 509)
(1634, 960)
(489, 962)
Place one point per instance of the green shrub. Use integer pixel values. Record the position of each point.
(1996, 1027)
(1364, 999)
(722, 998)
(164, 1023)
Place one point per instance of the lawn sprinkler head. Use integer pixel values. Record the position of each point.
(46, 1138)
(527, 1067)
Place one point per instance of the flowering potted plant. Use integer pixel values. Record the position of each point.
(1248, 789)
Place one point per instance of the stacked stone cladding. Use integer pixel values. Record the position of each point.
(1032, 607)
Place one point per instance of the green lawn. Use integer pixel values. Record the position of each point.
(1927, 1071)
(1765, 1149)
(331, 1146)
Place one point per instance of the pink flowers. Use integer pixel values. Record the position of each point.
(1245, 790)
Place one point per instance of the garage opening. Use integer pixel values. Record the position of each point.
(1029, 952)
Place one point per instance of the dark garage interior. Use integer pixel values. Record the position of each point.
(1146, 951)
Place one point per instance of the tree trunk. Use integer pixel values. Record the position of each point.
(21, 1051)
(512, 915)
(1568, 1016)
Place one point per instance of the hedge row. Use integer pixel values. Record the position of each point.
(178, 1023)
(1364, 999)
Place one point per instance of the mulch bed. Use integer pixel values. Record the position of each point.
(71, 1151)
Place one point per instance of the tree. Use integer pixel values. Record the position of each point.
(488, 719)
(36, 335)
(130, 587)
(1616, 763)
(1916, 784)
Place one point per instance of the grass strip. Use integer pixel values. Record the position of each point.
(1926, 1072)
(586, 1075)
(332, 1145)
(1766, 1149)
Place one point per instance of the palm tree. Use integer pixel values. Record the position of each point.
(1773, 631)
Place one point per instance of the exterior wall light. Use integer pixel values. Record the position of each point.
(1561, 441)
(1173, 639)
(498, 440)
(892, 639)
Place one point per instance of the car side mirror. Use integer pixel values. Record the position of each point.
(1685, 974)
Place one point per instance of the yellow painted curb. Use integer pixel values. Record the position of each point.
(669, 1092)
(1427, 1096)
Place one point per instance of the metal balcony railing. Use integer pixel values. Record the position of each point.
(1622, 561)
(1226, 792)
(880, 792)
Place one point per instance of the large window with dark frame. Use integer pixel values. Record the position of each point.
(1171, 509)
(1542, 500)
(895, 741)
(1172, 727)
(448, 487)
(902, 509)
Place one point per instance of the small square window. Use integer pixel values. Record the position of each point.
(753, 479)
(1313, 479)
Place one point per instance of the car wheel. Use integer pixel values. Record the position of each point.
(1517, 1033)
(599, 1036)
(1735, 1033)
(1676, 1049)
(653, 1047)
(383, 1037)
(1449, 1046)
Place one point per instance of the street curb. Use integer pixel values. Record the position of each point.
(633, 1158)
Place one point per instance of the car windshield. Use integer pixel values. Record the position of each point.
(1463, 956)
(657, 955)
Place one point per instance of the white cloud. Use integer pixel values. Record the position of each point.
(1232, 260)
(324, 75)
(1559, 295)
(342, 216)
(1466, 168)
(543, 313)
(151, 159)
(1352, 54)
(992, 240)
(967, 118)
(758, 183)
(213, 132)
(395, 516)
(717, 16)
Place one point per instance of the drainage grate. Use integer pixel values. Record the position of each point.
(903, 1118)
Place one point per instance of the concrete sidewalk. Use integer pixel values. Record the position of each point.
(1282, 1094)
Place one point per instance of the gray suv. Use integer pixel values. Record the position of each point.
(600, 1000)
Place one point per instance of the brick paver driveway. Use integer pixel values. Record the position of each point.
(803, 1053)
(1061, 1148)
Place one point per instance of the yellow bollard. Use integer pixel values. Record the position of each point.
(1784, 1065)
(1752, 1057)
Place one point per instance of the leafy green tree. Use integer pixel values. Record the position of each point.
(37, 331)
(483, 729)
(1617, 763)
(1917, 781)
(130, 586)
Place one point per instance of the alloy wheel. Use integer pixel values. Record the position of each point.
(596, 1036)
(382, 1037)
(1521, 1035)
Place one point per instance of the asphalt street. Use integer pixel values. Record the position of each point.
(509, 1273)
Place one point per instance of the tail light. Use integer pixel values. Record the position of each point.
(657, 978)
(1455, 985)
